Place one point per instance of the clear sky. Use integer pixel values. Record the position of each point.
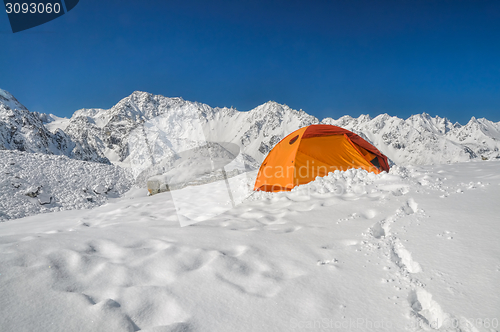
(329, 58)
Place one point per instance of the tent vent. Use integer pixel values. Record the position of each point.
(375, 162)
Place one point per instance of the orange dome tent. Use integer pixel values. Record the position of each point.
(315, 151)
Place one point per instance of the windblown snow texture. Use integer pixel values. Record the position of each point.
(32, 183)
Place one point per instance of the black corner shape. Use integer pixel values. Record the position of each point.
(70, 4)
(26, 14)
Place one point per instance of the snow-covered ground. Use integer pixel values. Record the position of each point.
(415, 249)
(32, 183)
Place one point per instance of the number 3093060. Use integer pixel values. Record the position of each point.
(33, 8)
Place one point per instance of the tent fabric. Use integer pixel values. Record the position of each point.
(314, 151)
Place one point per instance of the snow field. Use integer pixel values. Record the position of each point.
(401, 251)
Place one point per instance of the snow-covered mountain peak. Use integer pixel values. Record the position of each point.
(364, 118)
(277, 113)
(347, 119)
(9, 102)
(143, 106)
(271, 106)
(382, 119)
(435, 124)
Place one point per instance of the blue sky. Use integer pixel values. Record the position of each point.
(329, 58)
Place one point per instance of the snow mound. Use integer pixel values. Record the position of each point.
(32, 183)
(350, 182)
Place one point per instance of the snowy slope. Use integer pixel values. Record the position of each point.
(32, 183)
(53, 122)
(413, 250)
(23, 130)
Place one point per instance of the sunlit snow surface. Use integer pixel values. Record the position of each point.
(415, 249)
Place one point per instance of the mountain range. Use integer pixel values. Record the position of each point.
(143, 128)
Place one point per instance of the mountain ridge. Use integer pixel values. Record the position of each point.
(101, 135)
(23, 130)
